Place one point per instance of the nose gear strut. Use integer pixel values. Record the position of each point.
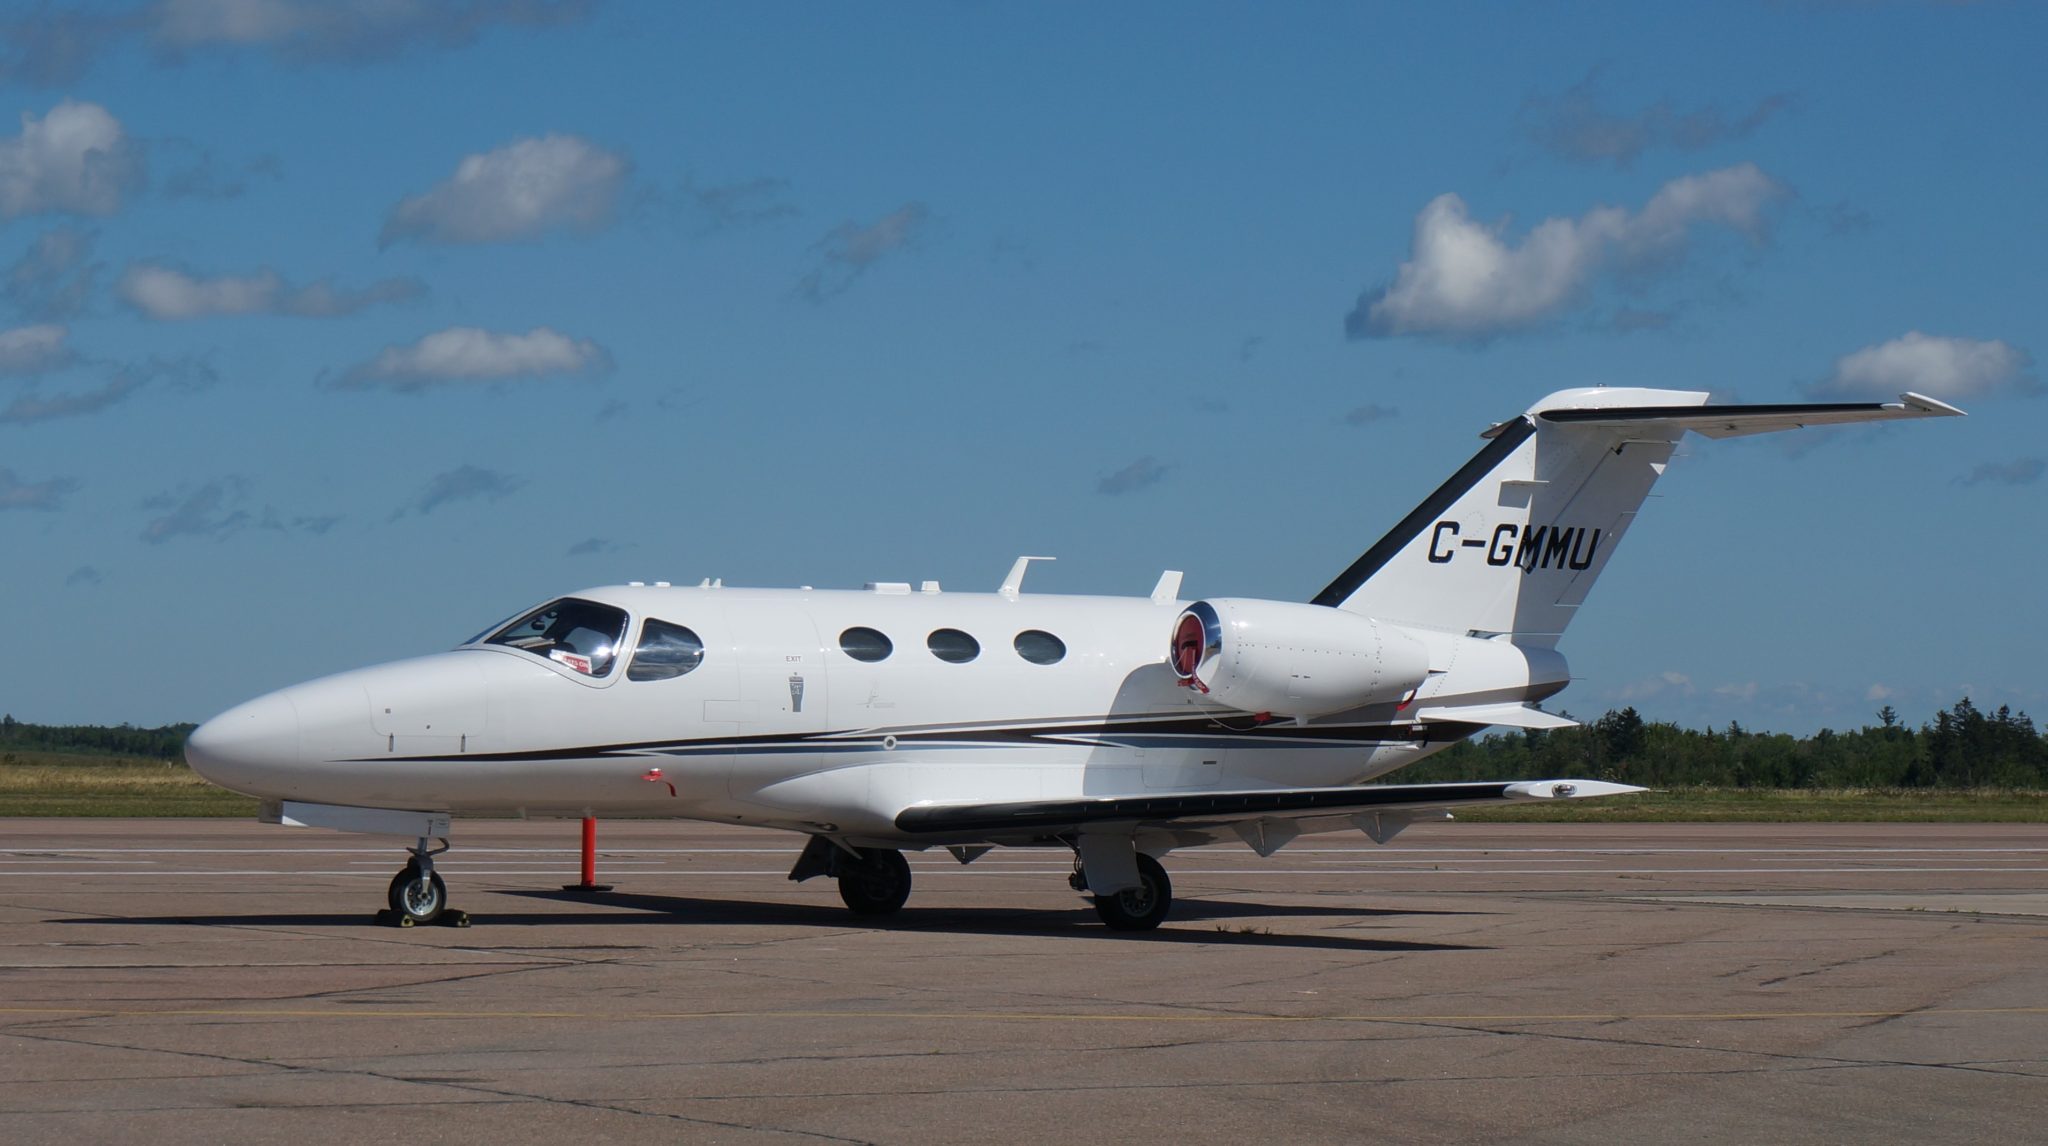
(417, 895)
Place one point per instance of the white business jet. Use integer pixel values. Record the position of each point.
(1118, 728)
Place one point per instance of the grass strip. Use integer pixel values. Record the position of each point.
(59, 784)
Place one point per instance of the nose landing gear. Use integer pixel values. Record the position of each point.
(417, 895)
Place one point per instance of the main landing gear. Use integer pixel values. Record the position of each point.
(1140, 908)
(875, 884)
(417, 895)
(876, 881)
(872, 881)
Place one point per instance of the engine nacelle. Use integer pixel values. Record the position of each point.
(1290, 659)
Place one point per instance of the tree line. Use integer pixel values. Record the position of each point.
(165, 743)
(1962, 747)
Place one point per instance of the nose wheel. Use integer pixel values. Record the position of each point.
(418, 896)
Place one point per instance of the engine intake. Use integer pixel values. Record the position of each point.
(1292, 660)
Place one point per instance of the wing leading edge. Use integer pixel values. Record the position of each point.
(1203, 809)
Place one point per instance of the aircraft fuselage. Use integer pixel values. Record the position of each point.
(779, 724)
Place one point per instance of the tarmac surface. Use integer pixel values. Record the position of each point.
(186, 981)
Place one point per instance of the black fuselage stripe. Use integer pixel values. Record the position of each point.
(1066, 813)
(1511, 436)
(1343, 736)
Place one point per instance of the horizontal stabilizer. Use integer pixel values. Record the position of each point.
(1505, 715)
(1213, 808)
(1737, 421)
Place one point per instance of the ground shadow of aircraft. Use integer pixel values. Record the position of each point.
(624, 908)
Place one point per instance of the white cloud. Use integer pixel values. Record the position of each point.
(194, 172)
(1574, 125)
(231, 21)
(1369, 413)
(208, 511)
(1146, 471)
(848, 250)
(1880, 692)
(1746, 691)
(521, 190)
(76, 159)
(216, 510)
(1932, 365)
(463, 483)
(31, 350)
(43, 495)
(50, 46)
(166, 293)
(344, 29)
(1465, 280)
(2019, 471)
(465, 354)
(741, 204)
(161, 292)
(52, 280)
(1676, 683)
(125, 382)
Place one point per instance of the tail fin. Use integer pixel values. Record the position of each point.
(1515, 539)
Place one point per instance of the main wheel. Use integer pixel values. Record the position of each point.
(420, 900)
(875, 884)
(1140, 908)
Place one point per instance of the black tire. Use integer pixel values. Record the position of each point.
(421, 901)
(1141, 908)
(875, 884)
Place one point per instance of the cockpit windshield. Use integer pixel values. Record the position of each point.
(580, 635)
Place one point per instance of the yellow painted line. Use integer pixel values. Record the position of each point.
(1013, 1016)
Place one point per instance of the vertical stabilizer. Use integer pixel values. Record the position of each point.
(1513, 542)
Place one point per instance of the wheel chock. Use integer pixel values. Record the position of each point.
(453, 918)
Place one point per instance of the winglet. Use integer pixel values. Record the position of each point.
(1932, 407)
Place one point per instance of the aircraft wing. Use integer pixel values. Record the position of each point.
(1214, 814)
(1737, 421)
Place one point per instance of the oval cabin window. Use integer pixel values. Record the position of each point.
(1040, 647)
(953, 646)
(865, 644)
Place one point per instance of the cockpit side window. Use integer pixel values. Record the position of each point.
(665, 651)
(580, 635)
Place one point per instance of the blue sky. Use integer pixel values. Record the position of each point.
(330, 333)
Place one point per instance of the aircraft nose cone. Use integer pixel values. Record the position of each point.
(248, 747)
